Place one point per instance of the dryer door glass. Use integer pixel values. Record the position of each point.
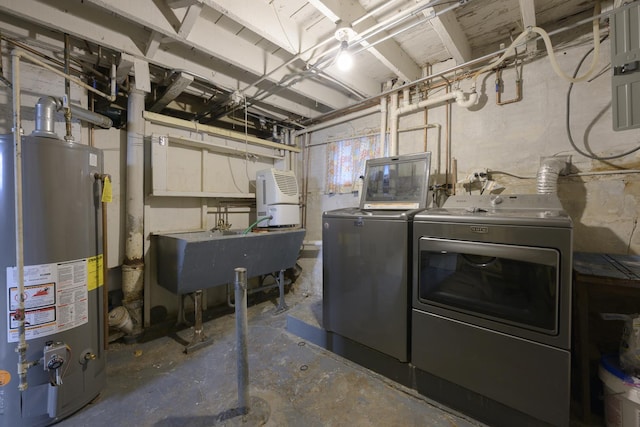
(511, 284)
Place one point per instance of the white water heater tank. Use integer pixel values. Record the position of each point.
(277, 197)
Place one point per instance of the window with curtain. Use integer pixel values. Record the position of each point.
(346, 161)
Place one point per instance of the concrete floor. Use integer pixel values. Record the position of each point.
(292, 383)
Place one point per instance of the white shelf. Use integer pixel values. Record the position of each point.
(215, 147)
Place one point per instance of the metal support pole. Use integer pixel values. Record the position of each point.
(241, 338)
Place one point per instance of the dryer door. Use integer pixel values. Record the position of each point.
(508, 284)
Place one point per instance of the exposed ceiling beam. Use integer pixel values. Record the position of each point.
(453, 38)
(388, 52)
(153, 44)
(254, 14)
(176, 4)
(528, 12)
(144, 15)
(105, 30)
(180, 82)
(189, 20)
(286, 35)
(227, 46)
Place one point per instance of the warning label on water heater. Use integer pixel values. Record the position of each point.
(55, 298)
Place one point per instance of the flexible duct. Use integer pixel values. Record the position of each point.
(547, 177)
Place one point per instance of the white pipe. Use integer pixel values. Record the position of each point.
(552, 57)
(133, 265)
(406, 97)
(421, 127)
(412, 108)
(338, 120)
(393, 125)
(462, 99)
(467, 64)
(383, 124)
(61, 74)
(597, 173)
(21, 349)
(113, 83)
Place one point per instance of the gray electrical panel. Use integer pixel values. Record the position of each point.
(625, 61)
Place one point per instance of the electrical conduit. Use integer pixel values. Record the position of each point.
(21, 349)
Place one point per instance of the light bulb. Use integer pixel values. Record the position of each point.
(344, 60)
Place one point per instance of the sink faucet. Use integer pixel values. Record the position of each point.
(222, 225)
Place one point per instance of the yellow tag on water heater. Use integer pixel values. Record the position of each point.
(107, 195)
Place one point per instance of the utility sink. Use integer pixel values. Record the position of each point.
(190, 261)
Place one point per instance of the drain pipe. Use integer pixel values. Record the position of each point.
(133, 265)
(383, 124)
(462, 99)
(393, 125)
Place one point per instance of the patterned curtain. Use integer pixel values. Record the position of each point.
(346, 161)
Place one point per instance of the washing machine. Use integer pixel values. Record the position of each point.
(366, 256)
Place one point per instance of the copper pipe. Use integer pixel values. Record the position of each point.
(499, 100)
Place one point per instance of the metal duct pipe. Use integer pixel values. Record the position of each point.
(45, 108)
(45, 124)
(548, 173)
(133, 265)
(85, 115)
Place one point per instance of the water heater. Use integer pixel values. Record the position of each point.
(62, 280)
(277, 198)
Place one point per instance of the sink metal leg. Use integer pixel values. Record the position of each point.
(282, 305)
(199, 339)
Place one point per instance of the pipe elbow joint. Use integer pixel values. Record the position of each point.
(467, 100)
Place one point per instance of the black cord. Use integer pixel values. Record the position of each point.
(568, 120)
